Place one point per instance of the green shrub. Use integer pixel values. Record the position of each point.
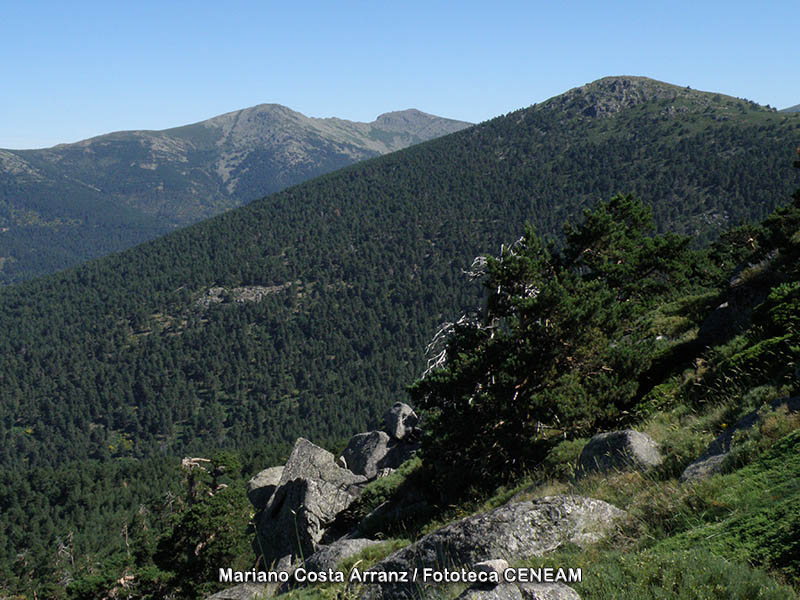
(680, 575)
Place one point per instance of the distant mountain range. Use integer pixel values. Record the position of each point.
(60, 206)
(795, 108)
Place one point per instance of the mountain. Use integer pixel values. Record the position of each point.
(295, 303)
(63, 205)
(795, 108)
(307, 312)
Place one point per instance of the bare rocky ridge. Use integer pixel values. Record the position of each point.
(307, 494)
(610, 95)
(191, 172)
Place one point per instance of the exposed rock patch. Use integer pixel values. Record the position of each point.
(713, 460)
(245, 591)
(328, 557)
(372, 453)
(239, 295)
(521, 591)
(261, 487)
(311, 492)
(514, 531)
(400, 421)
(619, 450)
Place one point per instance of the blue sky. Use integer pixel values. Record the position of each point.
(74, 70)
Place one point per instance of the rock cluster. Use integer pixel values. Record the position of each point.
(312, 490)
(373, 452)
(300, 501)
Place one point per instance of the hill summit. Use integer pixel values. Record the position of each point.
(610, 95)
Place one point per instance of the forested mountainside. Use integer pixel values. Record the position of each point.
(523, 453)
(307, 312)
(63, 205)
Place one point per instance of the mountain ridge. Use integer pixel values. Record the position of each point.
(173, 177)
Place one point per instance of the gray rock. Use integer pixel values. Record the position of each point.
(514, 531)
(713, 459)
(503, 591)
(704, 468)
(400, 420)
(364, 451)
(311, 492)
(328, 557)
(521, 591)
(372, 453)
(261, 487)
(547, 591)
(497, 565)
(619, 450)
(245, 591)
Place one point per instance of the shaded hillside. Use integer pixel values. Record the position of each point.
(795, 108)
(66, 204)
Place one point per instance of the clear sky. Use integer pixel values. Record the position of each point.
(71, 70)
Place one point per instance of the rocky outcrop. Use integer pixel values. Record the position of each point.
(713, 460)
(619, 451)
(374, 452)
(521, 591)
(245, 591)
(365, 451)
(370, 453)
(328, 557)
(505, 590)
(311, 492)
(400, 421)
(261, 487)
(514, 531)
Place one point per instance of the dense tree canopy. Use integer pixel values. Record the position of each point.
(560, 347)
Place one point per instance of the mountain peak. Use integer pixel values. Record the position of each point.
(610, 95)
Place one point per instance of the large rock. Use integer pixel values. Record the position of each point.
(503, 591)
(618, 451)
(369, 453)
(713, 459)
(329, 557)
(261, 487)
(311, 492)
(521, 591)
(246, 591)
(400, 420)
(547, 591)
(364, 451)
(514, 532)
